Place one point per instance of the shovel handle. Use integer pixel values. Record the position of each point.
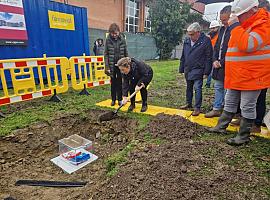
(133, 94)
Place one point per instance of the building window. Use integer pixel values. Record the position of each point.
(132, 16)
(147, 21)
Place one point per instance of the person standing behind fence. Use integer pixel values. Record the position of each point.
(99, 47)
(115, 49)
(218, 73)
(247, 66)
(196, 64)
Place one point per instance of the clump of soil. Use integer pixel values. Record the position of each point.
(172, 127)
(26, 154)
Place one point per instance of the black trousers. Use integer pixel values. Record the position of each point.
(143, 92)
(116, 85)
(261, 107)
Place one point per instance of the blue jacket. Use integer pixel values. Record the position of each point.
(196, 61)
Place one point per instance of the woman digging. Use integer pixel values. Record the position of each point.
(136, 76)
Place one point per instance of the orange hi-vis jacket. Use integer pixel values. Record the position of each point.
(248, 54)
(214, 40)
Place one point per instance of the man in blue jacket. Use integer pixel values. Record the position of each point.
(196, 64)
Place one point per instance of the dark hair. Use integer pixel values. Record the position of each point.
(264, 4)
(114, 28)
(226, 10)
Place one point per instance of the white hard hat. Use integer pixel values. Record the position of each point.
(214, 24)
(239, 7)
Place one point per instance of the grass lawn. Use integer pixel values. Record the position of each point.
(167, 89)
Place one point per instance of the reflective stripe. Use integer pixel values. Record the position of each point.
(235, 49)
(258, 38)
(248, 58)
(250, 44)
(267, 47)
(232, 50)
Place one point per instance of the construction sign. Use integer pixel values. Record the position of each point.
(12, 23)
(62, 21)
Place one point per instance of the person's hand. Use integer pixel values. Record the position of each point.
(205, 76)
(233, 19)
(137, 88)
(124, 101)
(216, 64)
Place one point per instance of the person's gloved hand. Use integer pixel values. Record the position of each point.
(233, 19)
(124, 101)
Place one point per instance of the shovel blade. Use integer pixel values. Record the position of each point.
(107, 116)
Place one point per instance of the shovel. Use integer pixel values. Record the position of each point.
(113, 114)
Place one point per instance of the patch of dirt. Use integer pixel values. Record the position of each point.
(26, 154)
(183, 168)
(172, 127)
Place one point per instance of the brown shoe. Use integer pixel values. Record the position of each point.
(196, 112)
(186, 107)
(213, 113)
(256, 129)
(236, 122)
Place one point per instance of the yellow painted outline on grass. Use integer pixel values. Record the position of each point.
(154, 110)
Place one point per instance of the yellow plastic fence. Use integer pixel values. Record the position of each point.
(88, 72)
(26, 79)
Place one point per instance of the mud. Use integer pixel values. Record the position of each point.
(182, 166)
(26, 154)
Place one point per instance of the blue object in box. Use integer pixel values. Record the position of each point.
(80, 158)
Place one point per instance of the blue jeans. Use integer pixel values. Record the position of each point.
(209, 79)
(197, 85)
(219, 95)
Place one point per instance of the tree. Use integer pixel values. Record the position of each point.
(168, 19)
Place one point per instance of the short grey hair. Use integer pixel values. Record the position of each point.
(194, 27)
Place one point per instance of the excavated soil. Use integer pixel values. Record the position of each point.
(26, 154)
(181, 165)
(183, 168)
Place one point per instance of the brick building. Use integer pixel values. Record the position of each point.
(130, 15)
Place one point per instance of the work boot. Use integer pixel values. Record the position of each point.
(244, 132)
(113, 103)
(131, 107)
(186, 107)
(223, 122)
(196, 112)
(144, 107)
(213, 113)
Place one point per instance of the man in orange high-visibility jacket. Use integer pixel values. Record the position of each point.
(247, 66)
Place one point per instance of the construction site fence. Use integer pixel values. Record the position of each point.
(30, 78)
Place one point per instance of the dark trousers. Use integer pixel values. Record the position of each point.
(261, 107)
(197, 85)
(143, 92)
(116, 85)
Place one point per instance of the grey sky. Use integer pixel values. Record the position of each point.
(212, 10)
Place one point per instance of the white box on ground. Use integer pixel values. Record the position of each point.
(267, 120)
(72, 146)
(70, 168)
